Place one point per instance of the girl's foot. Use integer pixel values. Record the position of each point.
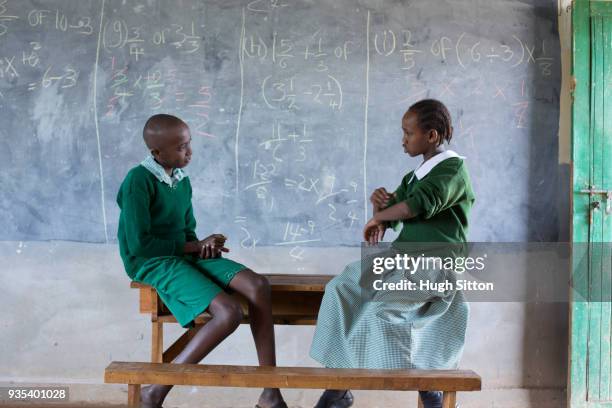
(335, 399)
(271, 398)
(150, 397)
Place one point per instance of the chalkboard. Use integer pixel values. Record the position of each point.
(294, 106)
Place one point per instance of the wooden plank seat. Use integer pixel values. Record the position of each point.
(135, 373)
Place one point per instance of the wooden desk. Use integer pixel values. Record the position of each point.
(295, 301)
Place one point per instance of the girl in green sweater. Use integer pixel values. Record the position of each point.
(359, 328)
(159, 247)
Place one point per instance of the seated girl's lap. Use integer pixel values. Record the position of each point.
(220, 270)
(170, 273)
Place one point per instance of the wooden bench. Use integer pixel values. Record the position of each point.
(295, 301)
(135, 374)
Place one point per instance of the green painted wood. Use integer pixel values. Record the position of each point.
(605, 386)
(600, 316)
(601, 8)
(590, 380)
(581, 165)
(595, 307)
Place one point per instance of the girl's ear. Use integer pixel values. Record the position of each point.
(155, 153)
(434, 137)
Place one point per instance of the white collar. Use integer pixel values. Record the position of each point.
(425, 167)
(158, 171)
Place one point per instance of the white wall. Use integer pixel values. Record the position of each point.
(68, 311)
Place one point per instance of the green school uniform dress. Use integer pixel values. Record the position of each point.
(385, 329)
(155, 222)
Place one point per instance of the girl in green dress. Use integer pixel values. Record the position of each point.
(408, 329)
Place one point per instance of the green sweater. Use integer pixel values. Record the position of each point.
(441, 200)
(156, 219)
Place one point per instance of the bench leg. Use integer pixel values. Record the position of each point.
(133, 395)
(450, 399)
(157, 342)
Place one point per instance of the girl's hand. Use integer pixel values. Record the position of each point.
(374, 231)
(212, 246)
(380, 197)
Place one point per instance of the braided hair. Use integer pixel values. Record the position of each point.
(433, 115)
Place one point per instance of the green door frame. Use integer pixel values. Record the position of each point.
(587, 173)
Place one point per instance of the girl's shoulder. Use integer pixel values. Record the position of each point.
(450, 166)
(451, 163)
(138, 177)
(140, 174)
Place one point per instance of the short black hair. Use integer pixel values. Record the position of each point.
(157, 125)
(433, 115)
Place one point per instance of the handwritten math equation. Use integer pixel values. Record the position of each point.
(289, 90)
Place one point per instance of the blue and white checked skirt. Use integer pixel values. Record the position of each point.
(359, 328)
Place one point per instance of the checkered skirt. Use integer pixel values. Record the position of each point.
(359, 327)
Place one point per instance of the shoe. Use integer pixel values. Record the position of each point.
(281, 404)
(330, 400)
(431, 399)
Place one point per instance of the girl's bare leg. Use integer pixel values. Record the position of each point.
(226, 315)
(256, 289)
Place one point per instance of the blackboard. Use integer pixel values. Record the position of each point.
(294, 108)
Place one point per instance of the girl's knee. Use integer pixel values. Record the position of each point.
(258, 289)
(336, 284)
(227, 310)
(261, 287)
(233, 315)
